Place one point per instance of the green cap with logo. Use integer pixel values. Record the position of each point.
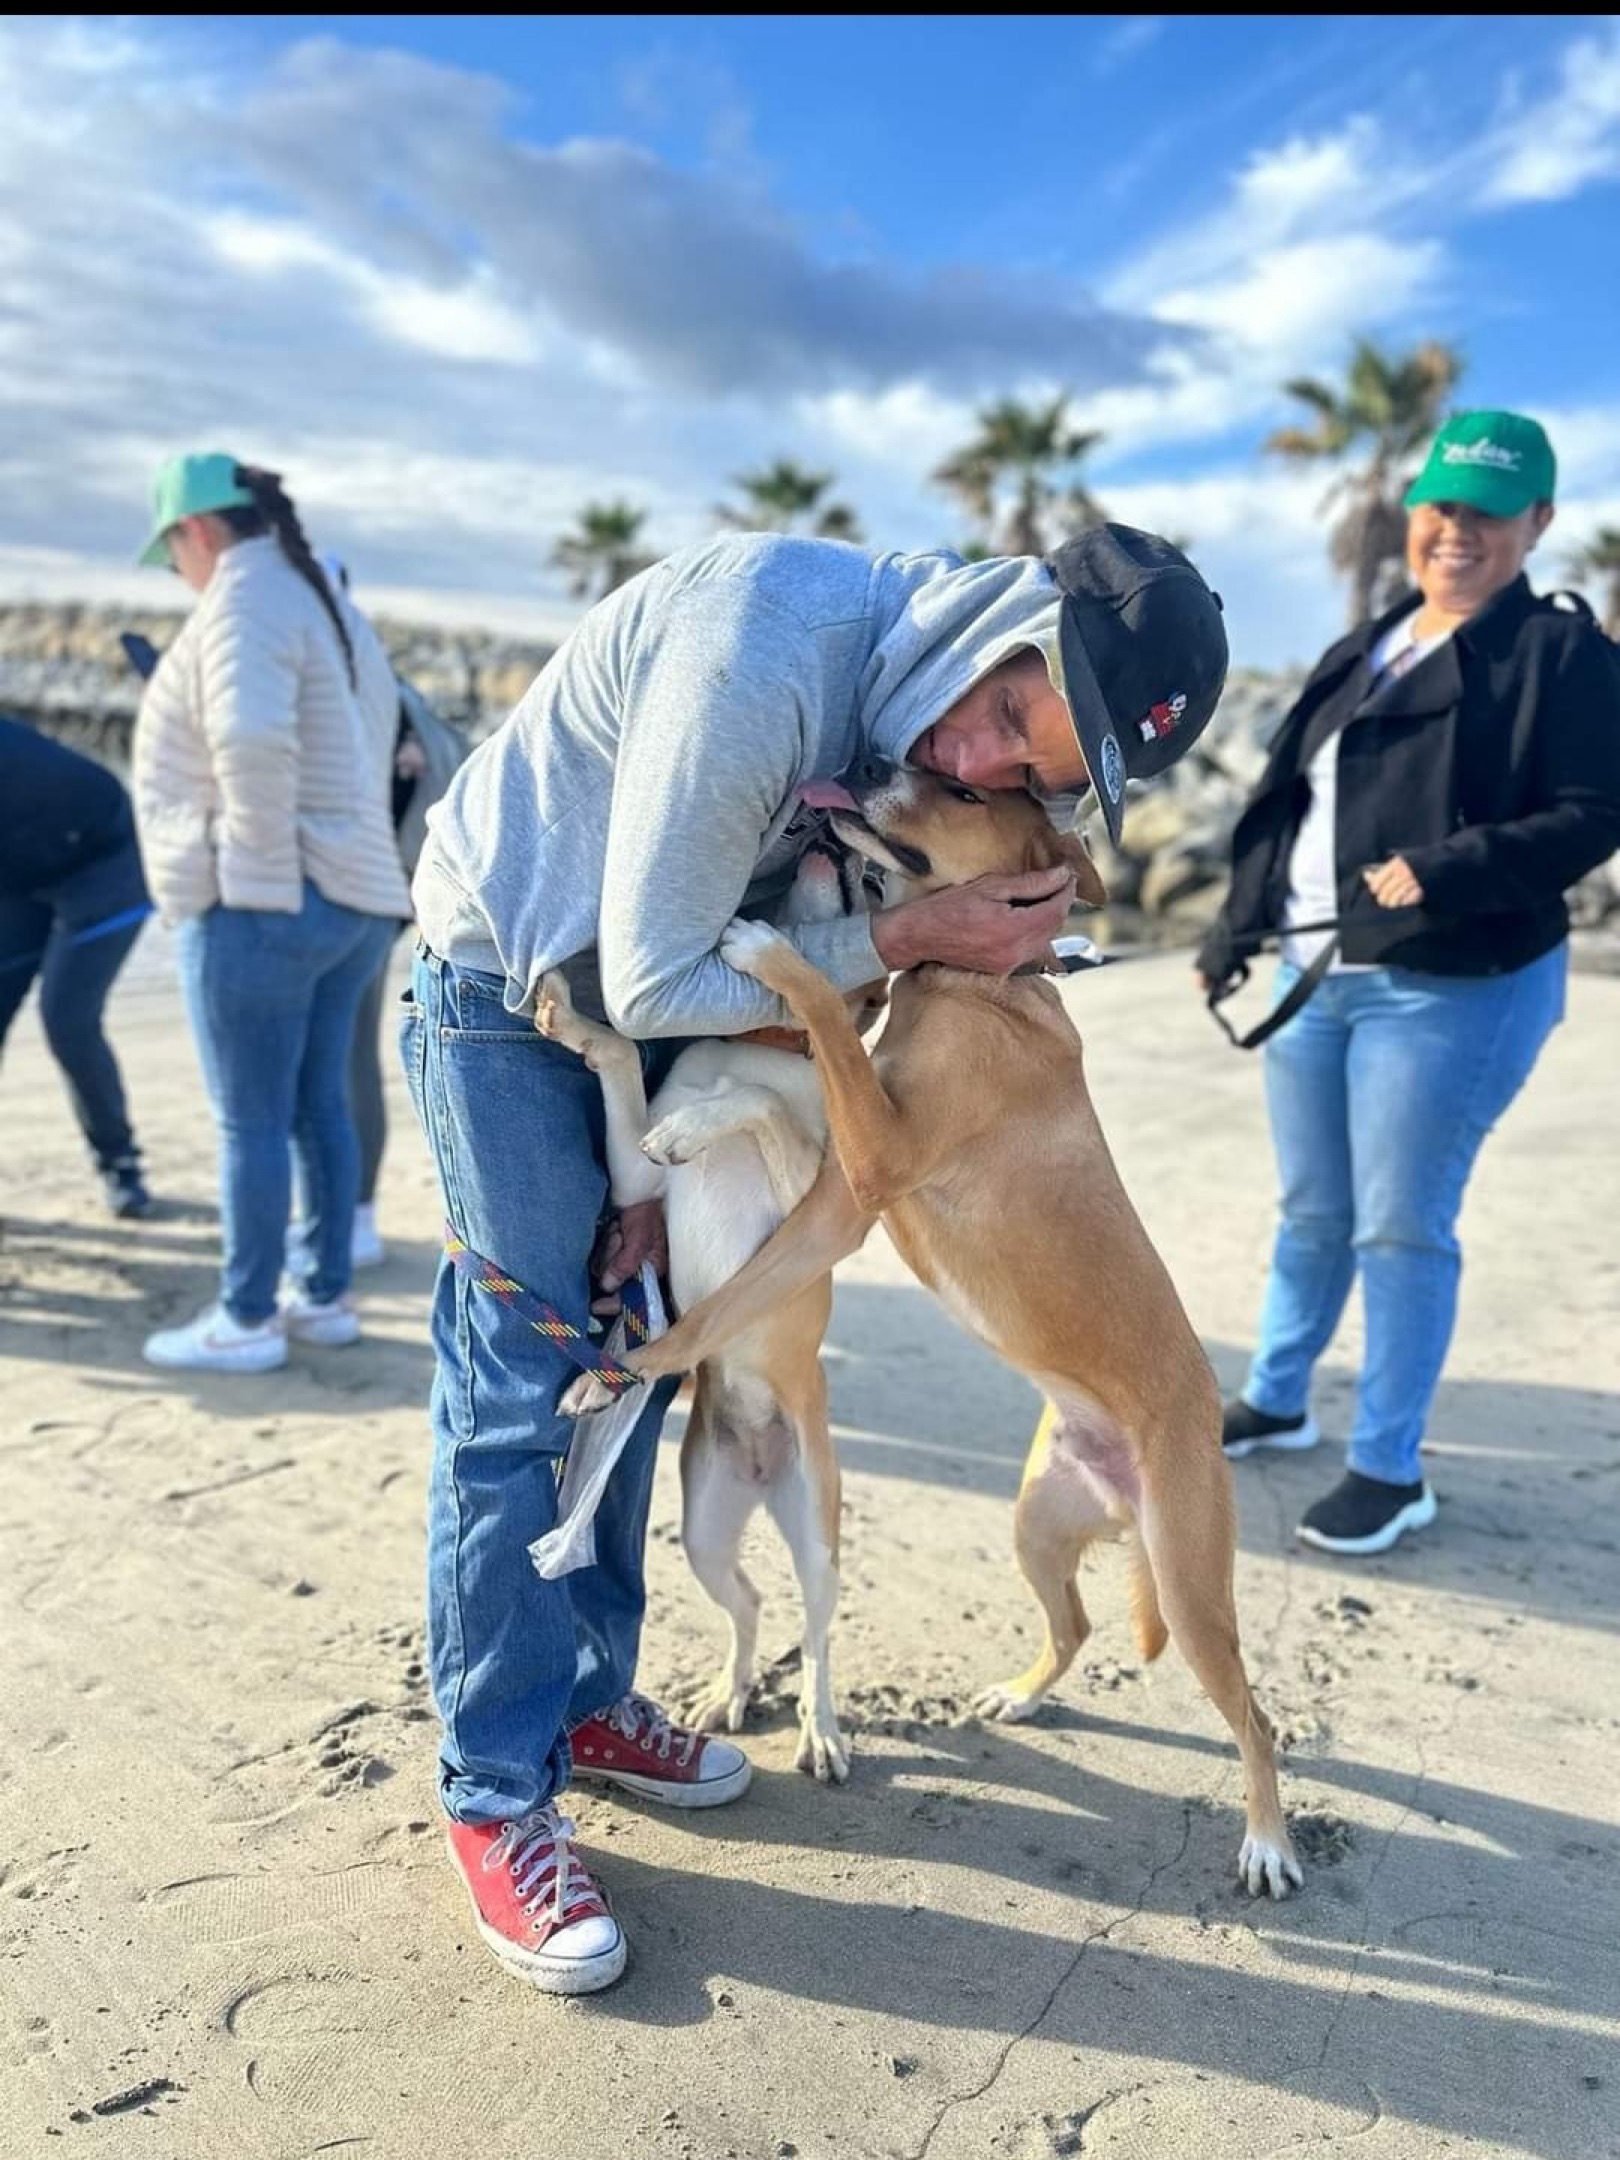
(186, 487)
(1498, 462)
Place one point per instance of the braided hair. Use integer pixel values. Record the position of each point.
(272, 511)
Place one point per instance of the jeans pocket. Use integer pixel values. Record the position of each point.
(413, 1053)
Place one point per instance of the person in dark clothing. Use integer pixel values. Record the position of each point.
(72, 901)
(1448, 771)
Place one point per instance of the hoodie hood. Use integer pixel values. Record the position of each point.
(946, 624)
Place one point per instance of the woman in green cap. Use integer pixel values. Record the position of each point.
(262, 759)
(1448, 771)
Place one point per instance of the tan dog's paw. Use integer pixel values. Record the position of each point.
(754, 948)
(823, 1750)
(1264, 1865)
(674, 1140)
(1007, 1702)
(721, 1708)
(583, 1396)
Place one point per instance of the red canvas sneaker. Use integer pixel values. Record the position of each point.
(635, 1745)
(539, 1908)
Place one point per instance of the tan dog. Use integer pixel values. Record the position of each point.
(732, 1142)
(972, 1134)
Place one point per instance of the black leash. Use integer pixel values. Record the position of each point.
(1079, 956)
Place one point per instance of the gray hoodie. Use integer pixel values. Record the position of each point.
(645, 790)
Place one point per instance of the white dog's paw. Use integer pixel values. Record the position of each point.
(675, 1139)
(585, 1395)
(823, 1750)
(554, 1014)
(1007, 1702)
(721, 1708)
(750, 947)
(1265, 1866)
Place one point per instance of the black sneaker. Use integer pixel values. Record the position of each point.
(1243, 1429)
(126, 1191)
(1365, 1515)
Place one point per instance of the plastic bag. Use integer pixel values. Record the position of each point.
(599, 1440)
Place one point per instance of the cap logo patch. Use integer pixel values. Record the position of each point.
(1481, 453)
(1113, 768)
(1162, 718)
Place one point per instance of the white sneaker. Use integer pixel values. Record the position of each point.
(365, 1241)
(214, 1342)
(332, 1325)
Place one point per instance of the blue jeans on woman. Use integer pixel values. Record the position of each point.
(1380, 1092)
(514, 1123)
(74, 937)
(272, 999)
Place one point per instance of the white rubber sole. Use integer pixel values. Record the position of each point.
(333, 1331)
(559, 1975)
(1416, 1515)
(1286, 1443)
(268, 1356)
(713, 1792)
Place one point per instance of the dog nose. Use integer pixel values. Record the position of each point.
(868, 771)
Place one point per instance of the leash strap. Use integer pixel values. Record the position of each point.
(1299, 994)
(545, 1319)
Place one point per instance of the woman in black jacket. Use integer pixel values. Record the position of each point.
(1447, 772)
(72, 901)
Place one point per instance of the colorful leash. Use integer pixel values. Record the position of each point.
(545, 1319)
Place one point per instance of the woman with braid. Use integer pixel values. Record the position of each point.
(262, 760)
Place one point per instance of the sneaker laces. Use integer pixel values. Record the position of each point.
(628, 1716)
(537, 1847)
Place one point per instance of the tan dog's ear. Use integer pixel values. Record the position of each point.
(1050, 848)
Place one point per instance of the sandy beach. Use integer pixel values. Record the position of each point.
(228, 1931)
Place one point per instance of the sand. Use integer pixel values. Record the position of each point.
(227, 1931)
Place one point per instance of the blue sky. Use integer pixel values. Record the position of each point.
(454, 276)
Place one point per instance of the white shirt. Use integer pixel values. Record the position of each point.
(1313, 881)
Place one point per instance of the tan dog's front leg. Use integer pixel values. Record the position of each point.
(883, 1156)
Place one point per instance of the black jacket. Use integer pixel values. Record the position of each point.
(59, 811)
(1493, 766)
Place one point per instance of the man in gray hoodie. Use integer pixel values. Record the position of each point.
(645, 791)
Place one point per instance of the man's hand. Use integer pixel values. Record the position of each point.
(629, 1237)
(992, 926)
(1392, 883)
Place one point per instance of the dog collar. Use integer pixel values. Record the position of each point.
(778, 1038)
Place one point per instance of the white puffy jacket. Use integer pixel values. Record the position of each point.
(256, 763)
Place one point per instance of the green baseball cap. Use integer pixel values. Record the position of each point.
(1498, 461)
(187, 486)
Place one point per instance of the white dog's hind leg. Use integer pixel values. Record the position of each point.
(730, 1109)
(715, 1507)
(804, 1502)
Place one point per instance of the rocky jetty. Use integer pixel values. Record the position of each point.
(63, 668)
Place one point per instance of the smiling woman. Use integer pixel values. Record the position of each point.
(1449, 770)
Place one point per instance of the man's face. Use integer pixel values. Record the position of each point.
(1011, 730)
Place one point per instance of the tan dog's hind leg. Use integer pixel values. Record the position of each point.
(1059, 1512)
(1188, 1537)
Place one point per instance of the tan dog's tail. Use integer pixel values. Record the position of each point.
(1147, 1621)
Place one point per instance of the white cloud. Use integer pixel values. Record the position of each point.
(1567, 140)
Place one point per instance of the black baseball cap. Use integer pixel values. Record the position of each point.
(1142, 646)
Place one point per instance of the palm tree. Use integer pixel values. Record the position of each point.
(1600, 558)
(601, 552)
(784, 497)
(1389, 407)
(1020, 474)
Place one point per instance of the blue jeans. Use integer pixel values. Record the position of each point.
(272, 1000)
(1380, 1092)
(74, 937)
(514, 1124)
